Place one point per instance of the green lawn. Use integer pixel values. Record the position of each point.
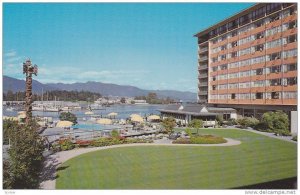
(258, 159)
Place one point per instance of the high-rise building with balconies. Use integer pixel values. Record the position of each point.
(249, 60)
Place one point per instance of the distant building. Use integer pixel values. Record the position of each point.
(140, 102)
(184, 114)
(249, 61)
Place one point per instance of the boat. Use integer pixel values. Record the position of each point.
(10, 109)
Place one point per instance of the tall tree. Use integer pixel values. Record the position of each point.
(25, 162)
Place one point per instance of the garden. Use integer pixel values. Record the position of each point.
(258, 159)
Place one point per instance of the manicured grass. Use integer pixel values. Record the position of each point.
(258, 159)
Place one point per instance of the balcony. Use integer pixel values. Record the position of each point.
(202, 50)
(201, 59)
(202, 93)
(203, 84)
(202, 67)
(202, 75)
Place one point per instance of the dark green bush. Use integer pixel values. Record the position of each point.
(231, 122)
(282, 132)
(295, 138)
(66, 144)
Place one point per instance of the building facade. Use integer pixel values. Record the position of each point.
(249, 60)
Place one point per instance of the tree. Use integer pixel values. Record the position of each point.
(219, 119)
(196, 123)
(68, 116)
(25, 163)
(123, 100)
(277, 122)
(168, 124)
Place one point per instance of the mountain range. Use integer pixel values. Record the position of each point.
(105, 89)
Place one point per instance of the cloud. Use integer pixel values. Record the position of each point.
(10, 54)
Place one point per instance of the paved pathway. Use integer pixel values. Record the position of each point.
(53, 161)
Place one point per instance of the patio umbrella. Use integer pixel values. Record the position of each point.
(21, 116)
(133, 115)
(104, 121)
(112, 114)
(137, 118)
(88, 113)
(153, 117)
(64, 124)
(22, 112)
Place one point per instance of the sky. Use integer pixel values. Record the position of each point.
(147, 45)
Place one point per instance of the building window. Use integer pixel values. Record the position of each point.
(289, 53)
(223, 47)
(289, 95)
(292, 81)
(214, 87)
(258, 60)
(234, 44)
(259, 35)
(275, 95)
(223, 67)
(273, 56)
(259, 96)
(233, 96)
(214, 68)
(274, 17)
(275, 69)
(259, 71)
(214, 79)
(272, 7)
(259, 47)
(275, 82)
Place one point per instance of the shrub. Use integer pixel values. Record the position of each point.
(168, 124)
(220, 120)
(68, 116)
(231, 122)
(114, 133)
(66, 144)
(281, 132)
(182, 141)
(275, 121)
(83, 143)
(248, 122)
(207, 139)
(295, 138)
(188, 131)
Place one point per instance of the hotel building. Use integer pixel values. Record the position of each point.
(249, 61)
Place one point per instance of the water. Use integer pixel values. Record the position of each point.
(97, 127)
(124, 111)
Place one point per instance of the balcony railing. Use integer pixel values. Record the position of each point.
(204, 49)
(203, 75)
(202, 67)
(202, 93)
(201, 59)
(203, 84)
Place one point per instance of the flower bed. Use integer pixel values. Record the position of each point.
(201, 139)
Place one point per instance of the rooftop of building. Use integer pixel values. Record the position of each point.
(195, 109)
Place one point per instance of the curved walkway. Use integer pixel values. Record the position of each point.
(53, 161)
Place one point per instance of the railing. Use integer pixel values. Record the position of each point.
(203, 58)
(203, 84)
(203, 75)
(201, 67)
(203, 49)
(202, 93)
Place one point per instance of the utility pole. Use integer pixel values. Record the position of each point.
(29, 70)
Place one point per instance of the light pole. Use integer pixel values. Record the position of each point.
(29, 70)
